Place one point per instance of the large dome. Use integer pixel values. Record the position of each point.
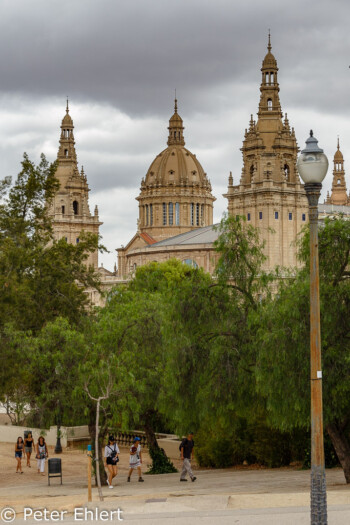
(176, 192)
(176, 165)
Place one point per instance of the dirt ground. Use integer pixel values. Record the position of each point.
(74, 465)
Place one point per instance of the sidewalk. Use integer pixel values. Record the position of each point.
(229, 490)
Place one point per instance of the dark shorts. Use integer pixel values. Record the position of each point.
(18, 454)
(110, 461)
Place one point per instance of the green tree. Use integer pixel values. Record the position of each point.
(210, 370)
(40, 278)
(283, 367)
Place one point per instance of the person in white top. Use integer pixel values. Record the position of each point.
(135, 458)
(111, 459)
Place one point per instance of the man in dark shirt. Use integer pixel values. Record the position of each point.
(186, 449)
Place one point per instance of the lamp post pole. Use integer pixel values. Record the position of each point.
(312, 166)
(318, 477)
(58, 447)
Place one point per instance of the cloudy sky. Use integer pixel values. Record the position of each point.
(119, 62)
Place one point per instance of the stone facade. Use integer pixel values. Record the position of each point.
(69, 210)
(269, 193)
(176, 203)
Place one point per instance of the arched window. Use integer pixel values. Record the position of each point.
(151, 214)
(146, 217)
(177, 213)
(202, 214)
(164, 214)
(66, 153)
(269, 104)
(286, 171)
(338, 181)
(266, 78)
(197, 214)
(190, 262)
(192, 214)
(62, 209)
(271, 78)
(171, 213)
(75, 207)
(251, 172)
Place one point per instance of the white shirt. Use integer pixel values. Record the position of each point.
(135, 458)
(110, 449)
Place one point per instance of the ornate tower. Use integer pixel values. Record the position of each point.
(339, 196)
(175, 196)
(69, 210)
(269, 193)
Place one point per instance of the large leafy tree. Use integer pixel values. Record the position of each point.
(40, 278)
(283, 371)
(210, 370)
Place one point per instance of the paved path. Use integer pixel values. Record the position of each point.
(218, 497)
(271, 497)
(337, 515)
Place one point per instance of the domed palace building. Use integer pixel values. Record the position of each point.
(175, 204)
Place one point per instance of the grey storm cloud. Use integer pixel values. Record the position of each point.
(131, 54)
(120, 61)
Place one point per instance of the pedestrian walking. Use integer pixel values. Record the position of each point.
(19, 449)
(111, 459)
(186, 449)
(41, 454)
(28, 447)
(135, 459)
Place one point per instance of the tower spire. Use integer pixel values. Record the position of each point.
(66, 151)
(269, 47)
(339, 193)
(176, 128)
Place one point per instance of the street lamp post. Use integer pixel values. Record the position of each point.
(312, 166)
(58, 447)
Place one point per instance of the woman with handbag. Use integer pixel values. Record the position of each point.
(111, 459)
(41, 454)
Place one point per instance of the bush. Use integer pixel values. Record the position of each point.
(253, 442)
(161, 464)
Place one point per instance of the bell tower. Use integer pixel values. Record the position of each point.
(269, 193)
(69, 210)
(339, 196)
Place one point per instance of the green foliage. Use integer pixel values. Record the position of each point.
(283, 336)
(39, 278)
(241, 258)
(161, 464)
(253, 442)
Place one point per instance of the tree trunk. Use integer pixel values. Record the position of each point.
(341, 444)
(150, 435)
(102, 435)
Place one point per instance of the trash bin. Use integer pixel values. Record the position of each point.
(54, 469)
